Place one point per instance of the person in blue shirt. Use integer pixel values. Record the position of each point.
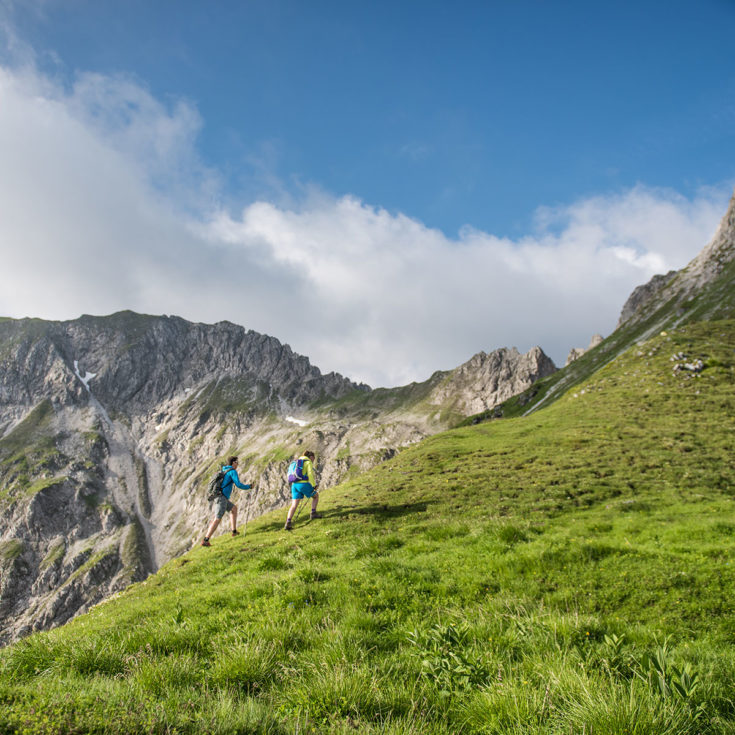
(222, 503)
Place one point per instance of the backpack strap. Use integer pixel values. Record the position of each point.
(224, 479)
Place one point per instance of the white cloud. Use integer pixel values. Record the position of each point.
(96, 177)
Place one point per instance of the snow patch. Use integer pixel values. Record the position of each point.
(87, 376)
(293, 420)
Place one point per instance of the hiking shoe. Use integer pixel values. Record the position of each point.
(315, 515)
(288, 526)
(206, 543)
(235, 533)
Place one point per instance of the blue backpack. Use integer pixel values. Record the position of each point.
(296, 471)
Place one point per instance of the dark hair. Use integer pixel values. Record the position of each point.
(310, 454)
(231, 461)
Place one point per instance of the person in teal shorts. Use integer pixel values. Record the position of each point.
(301, 490)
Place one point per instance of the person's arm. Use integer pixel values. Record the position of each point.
(236, 481)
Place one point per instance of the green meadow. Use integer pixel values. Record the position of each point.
(567, 572)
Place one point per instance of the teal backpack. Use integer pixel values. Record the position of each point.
(296, 471)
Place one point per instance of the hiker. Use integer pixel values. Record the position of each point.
(222, 502)
(305, 488)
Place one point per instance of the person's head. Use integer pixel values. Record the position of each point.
(232, 461)
(310, 455)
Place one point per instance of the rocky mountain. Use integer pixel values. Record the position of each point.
(672, 293)
(487, 380)
(702, 291)
(111, 426)
(85, 470)
(140, 361)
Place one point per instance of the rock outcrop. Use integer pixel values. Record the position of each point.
(576, 352)
(678, 287)
(488, 379)
(644, 295)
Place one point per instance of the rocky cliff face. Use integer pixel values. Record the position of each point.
(135, 362)
(88, 478)
(488, 379)
(111, 426)
(643, 295)
(678, 287)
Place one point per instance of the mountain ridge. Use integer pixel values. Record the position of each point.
(184, 353)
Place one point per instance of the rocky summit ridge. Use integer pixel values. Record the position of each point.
(141, 360)
(676, 289)
(111, 426)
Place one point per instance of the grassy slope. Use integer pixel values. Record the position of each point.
(28, 455)
(360, 404)
(566, 572)
(716, 301)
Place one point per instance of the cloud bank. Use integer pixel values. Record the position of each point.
(105, 205)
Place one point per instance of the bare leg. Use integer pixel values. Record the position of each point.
(233, 518)
(314, 501)
(292, 509)
(212, 527)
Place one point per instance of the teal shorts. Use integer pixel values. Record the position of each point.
(302, 490)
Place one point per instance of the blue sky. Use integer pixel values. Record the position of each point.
(468, 113)
(435, 137)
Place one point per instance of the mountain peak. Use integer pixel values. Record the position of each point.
(679, 286)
